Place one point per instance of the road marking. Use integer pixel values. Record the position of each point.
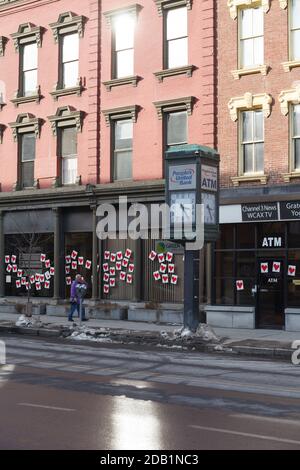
(245, 434)
(266, 418)
(33, 405)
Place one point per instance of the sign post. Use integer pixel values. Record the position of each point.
(192, 179)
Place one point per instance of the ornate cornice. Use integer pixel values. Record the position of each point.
(283, 4)
(288, 97)
(26, 122)
(166, 4)
(25, 33)
(67, 22)
(249, 101)
(170, 106)
(126, 112)
(234, 5)
(131, 9)
(66, 116)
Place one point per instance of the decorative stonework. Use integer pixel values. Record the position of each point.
(283, 4)
(250, 101)
(127, 112)
(109, 84)
(66, 116)
(180, 104)
(3, 41)
(237, 180)
(68, 22)
(287, 177)
(186, 70)
(131, 9)
(234, 5)
(27, 32)
(58, 91)
(237, 74)
(36, 97)
(288, 97)
(26, 123)
(288, 66)
(165, 4)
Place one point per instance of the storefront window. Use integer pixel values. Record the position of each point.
(81, 245)
(245, 264)
(246, 296)
(225, 264)
(226, 240)
(294, 235)
(271, 235)
(224, 291)
(245, 236)
(293, 279)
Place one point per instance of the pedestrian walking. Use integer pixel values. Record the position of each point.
(74, 299)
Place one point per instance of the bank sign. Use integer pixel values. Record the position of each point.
(209, 178)
(182, 177)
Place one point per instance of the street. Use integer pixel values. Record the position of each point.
(63, 395)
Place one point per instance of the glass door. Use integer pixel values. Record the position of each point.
(270, 292)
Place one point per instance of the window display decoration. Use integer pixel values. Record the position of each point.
(240, 285)
(166, 269)
(264, 268)
(276, 267)
(74, 254)
(113, 271)
(292, 270)
(33, 279)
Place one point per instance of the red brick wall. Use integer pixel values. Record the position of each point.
(276, 126)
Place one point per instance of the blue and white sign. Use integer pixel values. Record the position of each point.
(182, 177)
(209, 178)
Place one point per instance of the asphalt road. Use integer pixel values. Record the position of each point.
(56, 395)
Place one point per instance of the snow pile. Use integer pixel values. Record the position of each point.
(203, 332)
(206, 333)
(24, 321)
(89, 334)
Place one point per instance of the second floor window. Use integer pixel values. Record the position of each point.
(123, 59)
(252, 141)
(29, 69)
(176, 128)
(295, 29)
(68, 151)
(123, 136)
(251, 37)
(27, 157)
(69, 60)
(176, 34)
(296, 137)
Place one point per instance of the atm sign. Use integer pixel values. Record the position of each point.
(209, 178)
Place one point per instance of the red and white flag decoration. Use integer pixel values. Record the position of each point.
(119, 255)
(67, 268)
(88, 264)
(165, 279)
(68, 259)
(264, 268)
(42, 278)
(240, 285)
(152, 255)
(80, 260)
(174, 279)
(74, 254)
(131, 268)
(163, 268)
(47, 285)
(7, 259)
(157, 276)
(68, 281)
(128, 253)
(122, 276)
(106, 255)
(43, 258)
(118, 265)
(161, 258)
(9, 268)
(105, 267)
(13, 259)
(112, 271)
(18, 283)
(129, 278)
(38, 286)
(276, 267)
(113, 257)
(47, 275)
(14, 268)
(112, 282)
(171, 268)
(47, 263)
(169, 257)
(292, 270)
(125, 262)
(106, 277)
(74, 264)
(19, 273)
(106, 289)
(52, 271)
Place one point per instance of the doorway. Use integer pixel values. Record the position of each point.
(270, 293)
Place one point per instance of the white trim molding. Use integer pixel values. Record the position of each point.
(288, 97)
(234, 5)
(250, 101)
(237, 74)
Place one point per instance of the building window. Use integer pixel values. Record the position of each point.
(123, 136)
(251, 37)
(295, 29)
(176, 128)
(296, 137)
(29, 69)
(68, 142)
(176, 34)
(252, 141)
(123, 57)
(27, 157)
(69, 69)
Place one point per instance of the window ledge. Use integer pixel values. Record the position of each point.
(187, 70)
(288, 176)
(236, 180)
(76, 90)
(288, 66)
(27, 99)
(132, 80)
(237, 74)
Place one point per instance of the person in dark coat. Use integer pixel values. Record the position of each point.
(75, 300)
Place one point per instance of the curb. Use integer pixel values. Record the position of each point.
(156, 340)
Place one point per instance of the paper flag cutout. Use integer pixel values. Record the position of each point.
(52, 271)
(106, 289)
(128, 253)
(157, 276)
(125, 262)
(152, 255)
(118, 265)
(163, 268)
(119, 255)
(67, 269)
(42, 278)
(112, 271)
(13, 258)
(68, 281)
(165, 279)
(131, 268)
(129, 278)
(80, 261)
(107, 255)
(23, 281)
(264, 267)
(7, 259)
(47, 285)
(74, 254)
(169, 257)
(47, 263)
(174, 279)
(161, 257)
(18, 283)
(171, 268)
(112, 282)
(32, 279)
(68, 259)
(20, 273)
(47, 275)
(88, 264)
(292, 270)
(37, 276)
(43, 258)
(74, 265)
(14, 268)
(105, 267)
(276, 267)
(106, 277)
(113, 257)
(240, 285)
(38, 286)
(9, 268)
(122, 276)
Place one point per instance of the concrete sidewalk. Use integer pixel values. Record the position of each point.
(247, 342)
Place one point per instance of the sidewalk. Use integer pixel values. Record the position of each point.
(267, 343)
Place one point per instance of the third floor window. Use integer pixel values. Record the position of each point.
(295, 30)
(69, 70)
(176, 38)
(251, 33)
(296, 137)
(123, 56)
(29, 69)
(252, 142)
